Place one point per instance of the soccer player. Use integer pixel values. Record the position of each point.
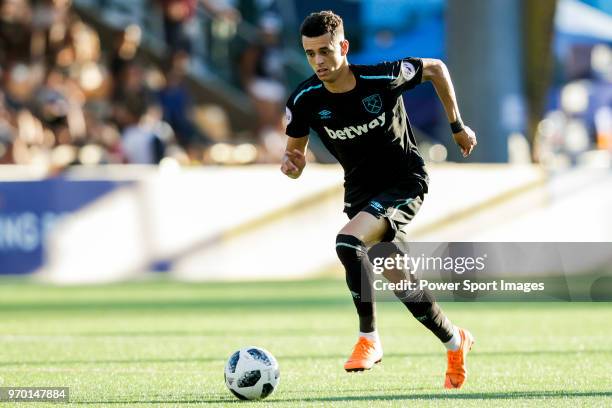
(358, 112)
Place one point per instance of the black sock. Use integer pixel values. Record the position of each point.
(351, 251)
(426, 310)
(421, 303)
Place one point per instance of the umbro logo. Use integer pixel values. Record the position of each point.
(325, 114)
(377, 205)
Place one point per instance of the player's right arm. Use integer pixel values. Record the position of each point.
(298, 129)
(294, 159)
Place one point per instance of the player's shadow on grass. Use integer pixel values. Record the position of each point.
(464, 396)
(451, 395)
(492, 353)
(202, 359)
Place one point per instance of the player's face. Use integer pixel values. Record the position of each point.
(326, 55)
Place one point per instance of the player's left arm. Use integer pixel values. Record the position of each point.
(435, 71)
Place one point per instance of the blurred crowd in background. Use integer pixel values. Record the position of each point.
(69, 98)
(578, 124)
(111, 81)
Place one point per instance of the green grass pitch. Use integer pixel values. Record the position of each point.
(161, 343)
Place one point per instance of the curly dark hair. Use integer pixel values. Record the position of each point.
(322, 22)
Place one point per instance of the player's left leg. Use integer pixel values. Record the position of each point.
(420, 302)
(398, 207)
(351, 246)
(423, 306)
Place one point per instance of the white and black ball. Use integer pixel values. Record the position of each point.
(251, 373)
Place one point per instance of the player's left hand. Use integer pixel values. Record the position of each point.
(466, 140)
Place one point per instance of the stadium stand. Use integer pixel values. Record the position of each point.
(126, 84)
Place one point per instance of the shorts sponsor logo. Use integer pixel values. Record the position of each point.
(288, 115)
(372, 103)
(350, 132)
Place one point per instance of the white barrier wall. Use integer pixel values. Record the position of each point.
(253, 223)
(189, 221)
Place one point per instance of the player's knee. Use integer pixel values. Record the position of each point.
(384, 257)
(381, 251)
(349, 248)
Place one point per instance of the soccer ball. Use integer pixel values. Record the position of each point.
(251, 373)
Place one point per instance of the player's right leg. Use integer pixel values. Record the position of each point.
(351, 247)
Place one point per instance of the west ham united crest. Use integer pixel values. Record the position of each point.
(372, 103)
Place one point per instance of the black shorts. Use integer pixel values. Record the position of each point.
(398, 205)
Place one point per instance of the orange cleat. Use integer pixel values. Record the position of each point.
(365, 354)
(456, 373)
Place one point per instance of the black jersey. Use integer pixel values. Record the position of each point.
(366, 129)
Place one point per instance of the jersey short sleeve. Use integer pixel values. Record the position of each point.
(407, 73)
(296, 118)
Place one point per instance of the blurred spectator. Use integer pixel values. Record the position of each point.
(180, 24)
(263, 77)
(223, 9)
(127, 45)
(52, 105)
(7, 133)
(49, 24)
(103, 133)
(176, 104)
(177, 15)
(130, 91)
(20, 83)
(15, 31)
(141, 144)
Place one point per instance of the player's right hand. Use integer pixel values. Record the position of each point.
(293, 163)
